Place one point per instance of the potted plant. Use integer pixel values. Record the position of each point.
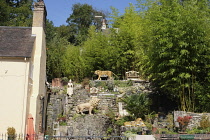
(11, 133)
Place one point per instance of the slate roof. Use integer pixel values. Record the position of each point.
(16, 41)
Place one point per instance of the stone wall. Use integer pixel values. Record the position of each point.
(91, 125)
(55, 107)
(101, 122)
(194, 122)
(77, 124)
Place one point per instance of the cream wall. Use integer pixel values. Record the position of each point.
(13, 94)
(39, 75)
(22, 83)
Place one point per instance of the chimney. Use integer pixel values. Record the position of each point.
(39, 14)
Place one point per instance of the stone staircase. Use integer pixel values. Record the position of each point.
(98, 124)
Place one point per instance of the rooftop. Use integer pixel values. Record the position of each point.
(16, 41)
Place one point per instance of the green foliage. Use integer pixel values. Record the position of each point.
(149, 118)
(111, 115)
(128, 41)
(179, 48)
(170, 121)
(16, 13)
(166, 131)
(109, 130)
(167, 41)
(73, 64)
(55, 64)
(75, 116)
(120, 122)
(81, 19)
(121, 83)
(4, 10)
(62, 123)
(95, 51)
(148, 125)
(137, 104)
(205, 122)
(50, 31)
(198, 131)
(96, 110)
(130, 134)
(104, 84)
(11, 131)
(64, 79)
(55, 90)
(62, 120)
(98, 48)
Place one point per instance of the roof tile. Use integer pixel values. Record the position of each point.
(16, 41)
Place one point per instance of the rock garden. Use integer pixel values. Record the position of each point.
(104, 108)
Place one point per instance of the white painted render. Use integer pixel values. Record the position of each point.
(22, 82)
(13, 94)
(39, 75)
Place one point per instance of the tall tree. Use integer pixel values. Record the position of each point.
(94, 50)
(74, 65)
(81, 19)
(16, 13)
(4, 13)
(128, 40)
(56, 49)
(179, 48)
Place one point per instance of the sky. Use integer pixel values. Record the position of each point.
(59, 10)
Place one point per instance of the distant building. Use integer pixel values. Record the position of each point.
(23, 73)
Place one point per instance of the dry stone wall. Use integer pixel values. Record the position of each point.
(100, 122)
(90, 125)
(194, 122)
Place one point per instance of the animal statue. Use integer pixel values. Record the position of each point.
(138, 122)
(127, 124)
(88, 106)
(103, 73)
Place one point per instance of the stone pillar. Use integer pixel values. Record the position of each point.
(120, 108)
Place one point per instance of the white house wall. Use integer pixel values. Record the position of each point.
(13, 94)
(39, 75)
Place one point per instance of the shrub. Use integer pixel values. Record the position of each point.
(183, 122)
(170, 121)
(137, 104)
(11, 131)
(205, 123)
(109, 130)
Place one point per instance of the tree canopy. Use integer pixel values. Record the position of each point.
(179, 48)
(82, 17)
(16, 13)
